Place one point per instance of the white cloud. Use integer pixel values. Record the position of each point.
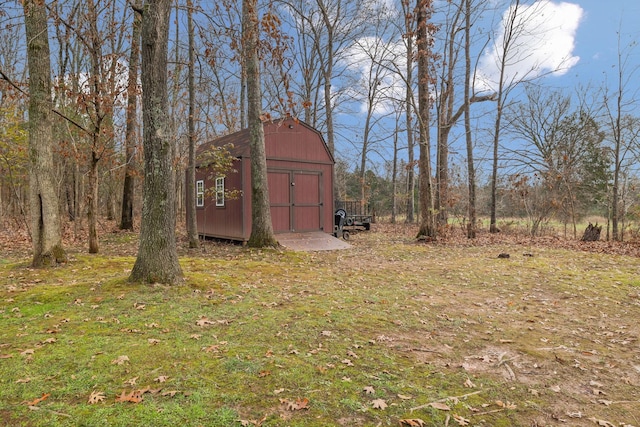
(542, 43)
(373, 59)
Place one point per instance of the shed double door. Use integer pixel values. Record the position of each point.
(296, 199)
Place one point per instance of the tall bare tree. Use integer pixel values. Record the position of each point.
(262, 228)
(471, 171)
(192, 226)
(624, 134)
(409, 34)
(128, 192)
(157, 259)
(43, 197)
(424, 40)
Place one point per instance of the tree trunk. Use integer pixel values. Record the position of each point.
(43, 197)
(262, 227)
(92, 205)
(394, 172)
(157, 259)
(471, 172)
(128, 191)
(411, 178)
(192, 225)
(427, 227)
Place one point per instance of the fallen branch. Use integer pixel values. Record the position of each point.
(493, 411)
(37, 408)
(445, 399)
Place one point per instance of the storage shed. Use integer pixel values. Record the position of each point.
(300, 181)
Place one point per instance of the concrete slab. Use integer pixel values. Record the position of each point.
(311, 241)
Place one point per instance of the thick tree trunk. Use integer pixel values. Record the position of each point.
(409, 111)
(471, 171)
(43, 197)
(192, 225)
(262, 227)
(92, 205)
(427, 227)
(126, 217)
(157, 259)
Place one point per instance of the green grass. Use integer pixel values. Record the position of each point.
(252, 332)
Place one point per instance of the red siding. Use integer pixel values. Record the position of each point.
(300, 173)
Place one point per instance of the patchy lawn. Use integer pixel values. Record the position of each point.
(389, 332)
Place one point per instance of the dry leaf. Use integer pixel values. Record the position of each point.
(264, 373)
(369, 390)
(602, 423)
(413, 422)
(347, 362)
(326, 333)
(161, 379)
(38, 400)
(132, 381)
(132, 397)
(95, 397)
(203, 321)
(120, 360)
(153, 341)
(299, 404)
(257, 423)
(506, 405)
(379, 404)
(460, 420)
(405, 397)
(23, 380)
(469, 384)
(439, 405)
(170, 393)
(28, 352)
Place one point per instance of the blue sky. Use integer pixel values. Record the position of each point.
(579, 37)
(596, 41)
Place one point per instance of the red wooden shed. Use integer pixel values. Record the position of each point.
(300, 181)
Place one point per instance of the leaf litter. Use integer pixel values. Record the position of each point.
(527, 329)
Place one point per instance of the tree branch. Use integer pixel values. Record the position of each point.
(8, 80)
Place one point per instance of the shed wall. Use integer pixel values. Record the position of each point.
(300, 174)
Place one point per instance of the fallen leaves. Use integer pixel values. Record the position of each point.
(120, 360)
(462, 421)
(96, 397)
(204, 321)
(297, 405)
(133, 397)
(38, 400)
(379, 404)
(412, 422)
(440, 405)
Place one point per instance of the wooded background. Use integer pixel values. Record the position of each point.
(520, 150)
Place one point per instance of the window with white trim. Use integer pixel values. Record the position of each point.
(200, 193)
(220, 191)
